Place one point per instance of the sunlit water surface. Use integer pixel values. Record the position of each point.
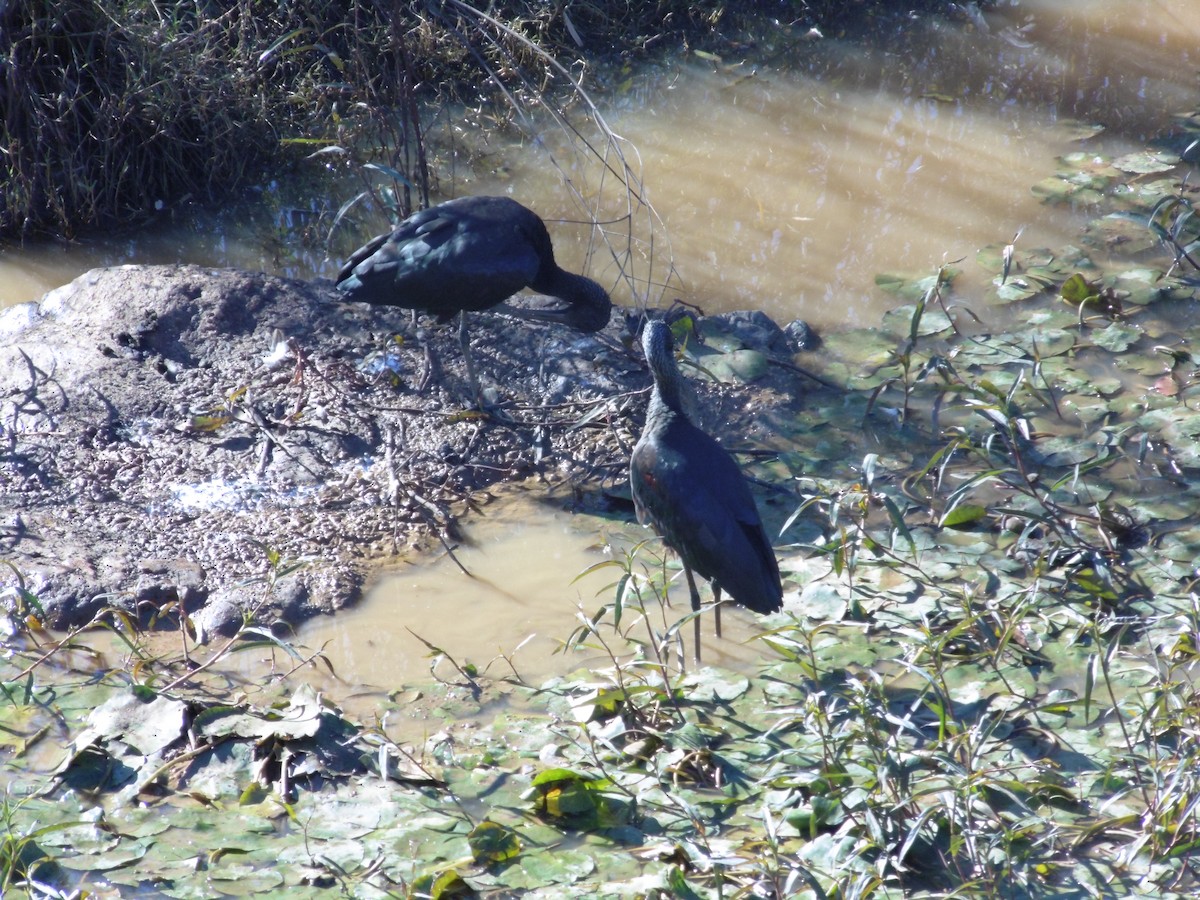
(786, 191)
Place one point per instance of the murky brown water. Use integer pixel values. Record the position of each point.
(790, 192)
(523, 599)
(518, 602)
(786, 192)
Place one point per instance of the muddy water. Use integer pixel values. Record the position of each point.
(786, 189)
(515, 610)
(517, 602)
(789, 189)
(802, 192)
(244, 237)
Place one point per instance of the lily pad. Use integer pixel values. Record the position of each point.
(1036, 342)
(1076, 129)
(1180, 427)
(715, 684)
(1056, 318)
(221, 773)
(1142, 286)
(1117, 337)
(1069, 451)
(862, 346)
(565, 866)
(1121, 231)
(301, 719)
(823, 602)
(737, 366)
(1060, 191)
(145, 721)
(244, 881)
(915, 287)
(1065, 378)
(1148, 365)
(1017, 288)
(898, 321)
(1147, 162)
(1088, 411)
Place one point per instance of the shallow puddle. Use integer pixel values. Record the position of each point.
(512, 615)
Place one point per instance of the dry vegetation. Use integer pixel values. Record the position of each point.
(111, 109)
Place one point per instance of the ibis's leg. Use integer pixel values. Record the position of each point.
(695, 607)
(426, 370)
(717, 603)
(465, 340)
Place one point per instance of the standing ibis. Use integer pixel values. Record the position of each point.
(693, 494)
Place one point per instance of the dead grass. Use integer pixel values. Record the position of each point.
(110, 110)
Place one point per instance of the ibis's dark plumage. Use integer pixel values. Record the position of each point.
(692, 492)
(471, 254)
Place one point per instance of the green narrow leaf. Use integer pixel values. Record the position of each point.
(963, 514)
(898, 523)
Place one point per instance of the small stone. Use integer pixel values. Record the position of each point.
(802, 335)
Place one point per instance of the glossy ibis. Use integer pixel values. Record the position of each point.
(692, 492)
(466, 255)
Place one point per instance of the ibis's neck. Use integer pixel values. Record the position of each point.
(666, 399)
(590, 306)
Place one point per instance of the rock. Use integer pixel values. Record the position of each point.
(737, 366)
(754, 329)
(221, 616)
(802, 335)
(170, 580)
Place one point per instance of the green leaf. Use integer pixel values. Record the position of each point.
(1117, 337)
(493, 843)
(443, 884)
(1077, 290)
(1126, 232)
(823, 602)
(1093, 583)
(563, 793)
(964, 514)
